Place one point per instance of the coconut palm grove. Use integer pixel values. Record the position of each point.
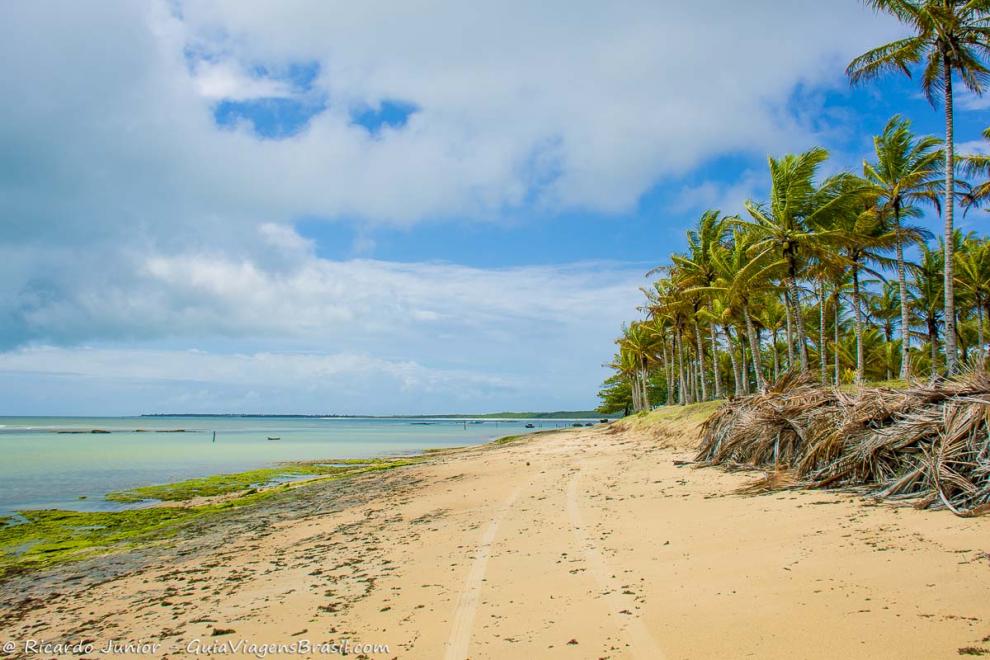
(832, 275)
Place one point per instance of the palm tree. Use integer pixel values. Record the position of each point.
(950, 38)
(742, 273)
(905, 173)
(884, 308)
(929, 297)
(638, 347)
(789, 221)
(667, 300)
(696, 270)
(863, 240)
(720, 314)
(973, 276)
(772, 317)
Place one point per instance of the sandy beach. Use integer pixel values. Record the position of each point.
(590, 543)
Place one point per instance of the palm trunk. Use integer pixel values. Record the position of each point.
(963, 347)
(644, 377)
(822, 352)
(979, 332)
(802, 348)
(668, 372)
(950, 189)
(835, 339)
(933, 342)
(694, 381)
(776, 360)
(743, 364)
(663, 359)
(754, 349)
(716, 376)
(902, 288)
(682, 385)
(790, 332)
(732, 357)
(701, 362)
(692, 377)
(858, 312)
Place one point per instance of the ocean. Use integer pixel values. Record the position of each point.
(57, 462)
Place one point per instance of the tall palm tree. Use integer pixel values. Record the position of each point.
(638, 345)
(742, 273)
(929, 297)
(789, 222)
(667, 300)
(720, 314)
(884, 308)
(906, 172)
(696, 270)
(772, 317)
(863, 240)
(950, 38)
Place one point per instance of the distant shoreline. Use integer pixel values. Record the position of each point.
(576, 414)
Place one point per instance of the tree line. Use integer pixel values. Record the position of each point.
(815, 277)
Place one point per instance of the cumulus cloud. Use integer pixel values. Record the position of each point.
(132, 214)
(153, 380)
(224, 80)
(730, 197)
(406, 337)
(573, 106)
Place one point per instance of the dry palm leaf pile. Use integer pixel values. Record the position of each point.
(929, 443)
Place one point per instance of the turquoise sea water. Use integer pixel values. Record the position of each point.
(44, 463)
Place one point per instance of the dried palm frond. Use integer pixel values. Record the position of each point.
(929, 443)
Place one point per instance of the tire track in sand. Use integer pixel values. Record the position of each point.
(641, 642)
(467, 604)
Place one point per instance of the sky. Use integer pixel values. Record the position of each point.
(373, 208)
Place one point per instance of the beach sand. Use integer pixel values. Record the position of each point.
(590, 543)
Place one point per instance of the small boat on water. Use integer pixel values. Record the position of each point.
(530, 426)
(274, 437)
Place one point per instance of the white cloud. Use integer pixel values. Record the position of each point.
(358, 301)
(727, 197)
(406, 336)
(574, 106)
(226, 81)
(130, 216)
(973, 147)
(967, 100)
(161, 380)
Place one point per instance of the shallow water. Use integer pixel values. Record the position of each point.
(45, 465)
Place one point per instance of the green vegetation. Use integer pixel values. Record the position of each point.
(51, 536)
(798, 282)
(48, 537)
(507, 439)
(222, 484)
(695, 412)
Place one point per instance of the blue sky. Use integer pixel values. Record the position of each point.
(847, 116)
(306, 207)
